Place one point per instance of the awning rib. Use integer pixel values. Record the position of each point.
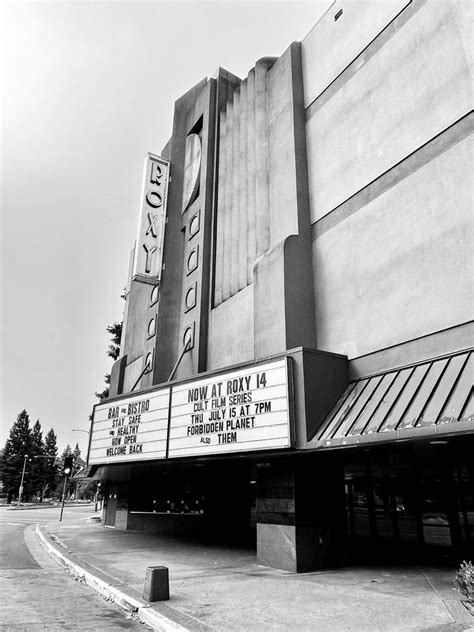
(428, 398)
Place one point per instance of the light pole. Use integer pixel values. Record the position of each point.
(20, 491)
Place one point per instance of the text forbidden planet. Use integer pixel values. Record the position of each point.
(247, 409)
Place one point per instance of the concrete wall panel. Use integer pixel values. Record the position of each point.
(400, 95)
(282, 183)
(231, 337)
(138, 313)
(132, 373)
(357, 26)
(401, 266)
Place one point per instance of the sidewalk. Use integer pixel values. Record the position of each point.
(223, 589)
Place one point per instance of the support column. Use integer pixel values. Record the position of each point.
(122, 513)
(301, 514)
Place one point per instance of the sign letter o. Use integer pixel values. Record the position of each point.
(154, 199)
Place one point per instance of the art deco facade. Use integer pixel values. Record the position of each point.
(296, 365)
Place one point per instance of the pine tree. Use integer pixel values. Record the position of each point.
(114, 348)
(51, 478)
(78, 460)
(18, 445)
(105, 393)
(70, 487)
(78, 467)
(38, 465)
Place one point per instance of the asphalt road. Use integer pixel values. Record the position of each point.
(37, 594)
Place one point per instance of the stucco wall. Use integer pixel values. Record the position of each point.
(410, 84)
(136, 343)
(231, 330)
(401, 266)
(390, 180)
(353, 25)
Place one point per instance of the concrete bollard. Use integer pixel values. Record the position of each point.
(157, 584)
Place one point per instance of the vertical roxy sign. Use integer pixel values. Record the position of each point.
(246, 409)
(151, 225)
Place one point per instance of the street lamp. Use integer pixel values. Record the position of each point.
(20, 491)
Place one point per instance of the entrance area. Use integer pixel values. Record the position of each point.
(111, 506)
(398, 503)
(411, 503)
(214, 501)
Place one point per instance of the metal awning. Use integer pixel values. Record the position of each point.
(431, 398)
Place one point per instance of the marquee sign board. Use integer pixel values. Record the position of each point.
(237, 411)
(131, 429)
(151, 226)
(246, 409)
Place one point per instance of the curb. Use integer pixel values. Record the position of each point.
(140, 609)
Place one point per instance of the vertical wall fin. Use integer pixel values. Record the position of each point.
(234, 232)
(243, 217)
(219, 258)
(251, 190)
(227, 216)
(243, 221)
(261, 155)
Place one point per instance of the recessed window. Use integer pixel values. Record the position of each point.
(193, 260)
(194, 224)
(192, 169)
(149, 362)
(152, 327)
(188, 337)
(190, 299)
(154, 294)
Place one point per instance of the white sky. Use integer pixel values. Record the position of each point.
(87, 89)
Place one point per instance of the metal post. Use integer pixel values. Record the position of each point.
(178, 361)
(145, 369)
(20, 491)
(64, 497)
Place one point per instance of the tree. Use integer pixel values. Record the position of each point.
(38, 465)
(114, 350)
(79, 462)
(18, 445)
(105, 393)
(51, 474)
(81, 488)
(114, 347)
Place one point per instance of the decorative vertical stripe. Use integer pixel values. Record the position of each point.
(219, 273)
(234, 236)
(228, 201)
(251, 190)
(243, 193)
(242, 223)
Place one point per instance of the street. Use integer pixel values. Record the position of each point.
(37, 594)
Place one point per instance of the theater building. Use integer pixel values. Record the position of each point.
(296, 364)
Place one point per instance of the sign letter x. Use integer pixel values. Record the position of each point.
(152, 225)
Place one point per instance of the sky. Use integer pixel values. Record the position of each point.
(87, 89)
